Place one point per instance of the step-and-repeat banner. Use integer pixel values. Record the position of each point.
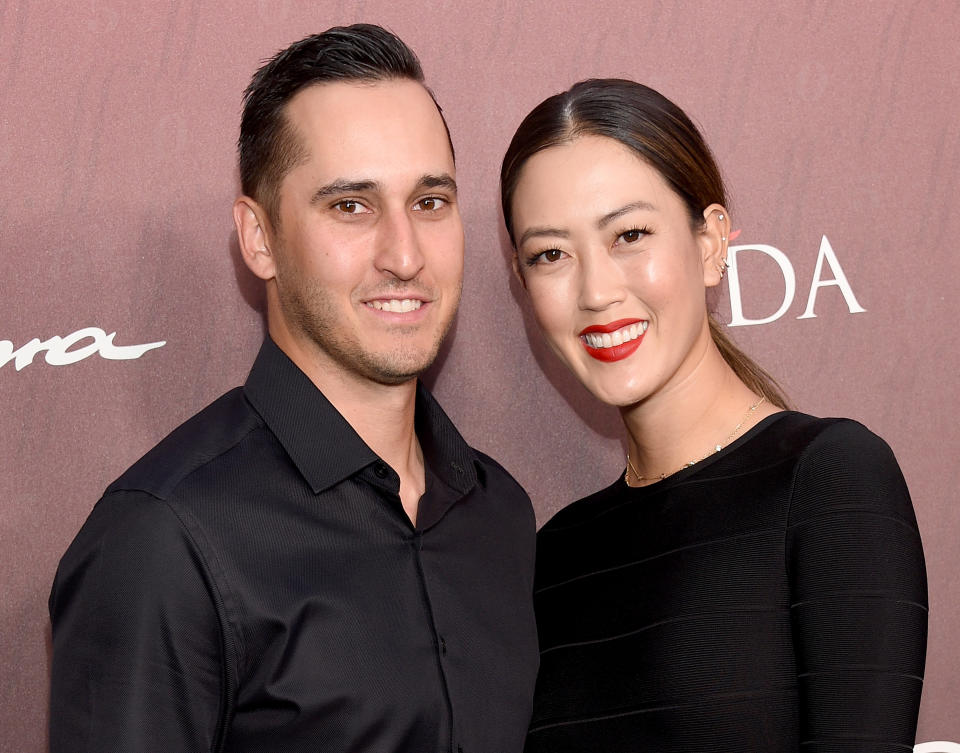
(125, 307)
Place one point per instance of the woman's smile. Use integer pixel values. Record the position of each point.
(614, 341)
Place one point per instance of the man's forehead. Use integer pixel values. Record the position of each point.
(339, 108)
(369, 130)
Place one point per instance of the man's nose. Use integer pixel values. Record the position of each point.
(398, 245)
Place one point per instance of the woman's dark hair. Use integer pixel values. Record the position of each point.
(268, 147)
(662, 135)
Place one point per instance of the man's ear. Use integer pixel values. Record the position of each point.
(713, 240)
(254, 235)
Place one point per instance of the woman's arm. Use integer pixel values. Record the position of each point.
(858, 595)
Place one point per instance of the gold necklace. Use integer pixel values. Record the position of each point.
(717, 448)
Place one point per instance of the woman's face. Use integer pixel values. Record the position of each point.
(615, 273)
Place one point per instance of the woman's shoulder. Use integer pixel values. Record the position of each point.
(587, 508)
(798, 431)
(828, 444)
(842, 463)
(790, 436)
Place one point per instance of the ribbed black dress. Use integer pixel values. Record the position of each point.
(769, 598)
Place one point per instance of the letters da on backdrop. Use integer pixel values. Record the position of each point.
(826, 256)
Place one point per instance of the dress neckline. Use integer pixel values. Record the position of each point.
(690, 470)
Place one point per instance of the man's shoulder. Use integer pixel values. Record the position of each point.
(489, 470)
(200, 440)
(503, 490)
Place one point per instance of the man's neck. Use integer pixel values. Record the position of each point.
(383, 415)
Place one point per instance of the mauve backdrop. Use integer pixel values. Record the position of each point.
(117, 129)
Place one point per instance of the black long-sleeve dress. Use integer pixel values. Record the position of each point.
(770, 598)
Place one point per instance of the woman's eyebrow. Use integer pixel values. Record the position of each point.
(538, 232)
(625, 209)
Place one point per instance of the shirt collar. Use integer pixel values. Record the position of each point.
(323, 445)
(444, 449)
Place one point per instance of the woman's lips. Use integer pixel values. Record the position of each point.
(614, 341)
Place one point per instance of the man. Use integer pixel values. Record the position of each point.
(316, 561)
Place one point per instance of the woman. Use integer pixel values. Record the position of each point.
(754, 580)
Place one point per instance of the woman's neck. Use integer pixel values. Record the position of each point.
(684, 423)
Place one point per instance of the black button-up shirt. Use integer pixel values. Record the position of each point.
(253, 584)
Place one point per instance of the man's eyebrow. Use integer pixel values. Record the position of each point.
(625, 209)
(341, 186)
(443, 180)
(539, 232)
(338, 187)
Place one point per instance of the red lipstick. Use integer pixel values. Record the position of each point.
(617, 352)
(612, 327)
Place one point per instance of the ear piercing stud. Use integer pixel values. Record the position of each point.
(722, 266)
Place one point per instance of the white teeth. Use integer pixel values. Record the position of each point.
(395, 306)
(618, 337)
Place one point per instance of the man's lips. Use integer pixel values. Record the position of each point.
(396, 305)
(614, 341)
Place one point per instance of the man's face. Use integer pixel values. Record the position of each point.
(369, 252)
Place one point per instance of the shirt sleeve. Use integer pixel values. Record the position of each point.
(137, 660)
(858, 596)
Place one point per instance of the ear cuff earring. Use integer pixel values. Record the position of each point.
(722, 265)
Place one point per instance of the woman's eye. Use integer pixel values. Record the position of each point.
(549, 256)
(430, 204)
(632, 236)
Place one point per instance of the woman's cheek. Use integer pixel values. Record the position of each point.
(556, 312)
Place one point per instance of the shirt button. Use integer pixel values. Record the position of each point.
(380, 470)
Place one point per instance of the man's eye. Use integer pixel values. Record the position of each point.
(348, 206)
(430, 204)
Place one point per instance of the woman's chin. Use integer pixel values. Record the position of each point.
(617, 396)
(616, 385)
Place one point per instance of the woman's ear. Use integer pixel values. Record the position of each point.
(253, 234)
(713, 240)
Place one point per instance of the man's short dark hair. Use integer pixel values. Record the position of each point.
(268, 145)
